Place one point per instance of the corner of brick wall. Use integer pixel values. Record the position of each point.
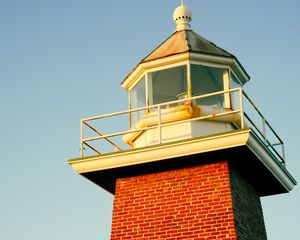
(248, 214)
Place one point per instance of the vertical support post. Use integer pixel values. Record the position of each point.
(81, 138)
(129, 107)
(283, 153)
(189, 81)
(226, 84)
(159, 123)
(241, 108)
(149, 91)
(264, 129)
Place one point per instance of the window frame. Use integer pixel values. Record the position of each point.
(226, 79)
(150, 84)
(140, 79)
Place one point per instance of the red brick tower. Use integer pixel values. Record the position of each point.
(194, 162)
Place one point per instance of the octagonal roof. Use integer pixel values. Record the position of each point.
(186, 41)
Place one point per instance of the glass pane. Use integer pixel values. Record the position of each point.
(235, 98)
(207, 80)
(169, 85)
(137, 100)
(234, 83)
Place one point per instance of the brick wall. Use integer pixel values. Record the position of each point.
(211, 201)
(191, 203)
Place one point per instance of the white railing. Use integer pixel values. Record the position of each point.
(249, 119)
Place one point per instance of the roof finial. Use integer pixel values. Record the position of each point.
(182, 17)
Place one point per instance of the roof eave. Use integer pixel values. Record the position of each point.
(135, 74)
(233, 62)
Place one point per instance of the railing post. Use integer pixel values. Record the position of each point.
(81, 138)
(159, 123)
(264, 129)
(283, 152)
(241, 108)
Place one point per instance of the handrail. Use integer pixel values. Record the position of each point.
(264, 134)
(257, 110)
(160, 104)
(265, 139)
(160, 124)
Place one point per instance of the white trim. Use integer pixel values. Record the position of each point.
(226, 87)
(148, 90)
(129, 107)
(162, 152)
(189, 80)
(209, 64)
(136, 82)
(165, 67)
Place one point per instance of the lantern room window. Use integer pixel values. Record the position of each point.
(168, 84)
(234, 96)
(138, 100)
(205, 80)
(234, 82)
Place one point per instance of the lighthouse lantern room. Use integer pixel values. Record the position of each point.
(186, 77)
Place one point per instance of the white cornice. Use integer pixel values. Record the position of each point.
(161, 152)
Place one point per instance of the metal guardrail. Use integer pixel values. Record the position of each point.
(245, 120)
(263, 133)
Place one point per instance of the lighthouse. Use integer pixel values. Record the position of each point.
(196, 154)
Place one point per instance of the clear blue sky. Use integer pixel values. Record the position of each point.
(63, 60)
